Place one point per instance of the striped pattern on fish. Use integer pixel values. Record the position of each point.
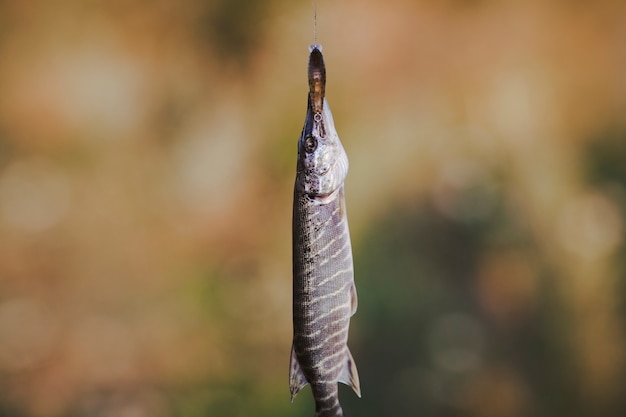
(324, 295)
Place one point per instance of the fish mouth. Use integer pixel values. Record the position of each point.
(317, 79)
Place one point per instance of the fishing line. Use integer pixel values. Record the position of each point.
(315, 22)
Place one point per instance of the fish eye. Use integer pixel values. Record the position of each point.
(310, 144)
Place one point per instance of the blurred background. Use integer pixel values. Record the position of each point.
(147, 160)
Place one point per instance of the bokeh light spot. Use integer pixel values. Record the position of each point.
(590, 226)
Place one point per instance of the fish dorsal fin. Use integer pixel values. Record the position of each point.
(354, 303)
(349, 374)
(297, 380)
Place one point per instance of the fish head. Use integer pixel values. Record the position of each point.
(322, 161)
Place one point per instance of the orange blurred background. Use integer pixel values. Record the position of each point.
(147, 159)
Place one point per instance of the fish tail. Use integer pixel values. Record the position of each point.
(338, 412)
(327, 400)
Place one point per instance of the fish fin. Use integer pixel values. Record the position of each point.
(297, 380)
(353, 299)
(349, 374)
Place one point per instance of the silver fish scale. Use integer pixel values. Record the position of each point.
(322, 295)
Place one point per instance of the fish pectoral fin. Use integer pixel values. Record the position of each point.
(353, 299)
(349, 374)
(297, 380)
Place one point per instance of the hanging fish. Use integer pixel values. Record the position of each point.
(324, 295)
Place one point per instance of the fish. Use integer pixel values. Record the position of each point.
(324, 293)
